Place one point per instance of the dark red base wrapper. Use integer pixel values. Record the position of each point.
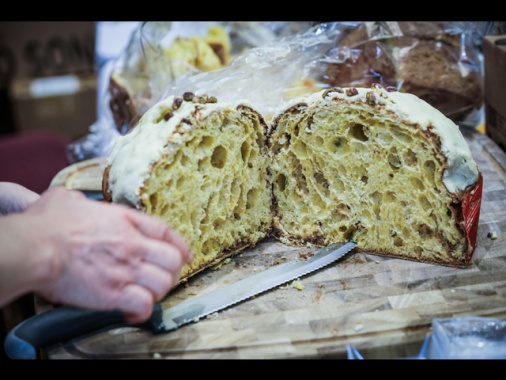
(471, 213)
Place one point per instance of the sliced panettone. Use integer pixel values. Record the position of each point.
(201, 166)
(384, 169)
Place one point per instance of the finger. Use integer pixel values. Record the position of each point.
(164, 255)
(156, 280)
(175, 238)
(62, 191)
(136, 302)
(158, 229)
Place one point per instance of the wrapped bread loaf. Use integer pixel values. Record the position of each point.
(383, 169)
(432, 60)
(130, 86)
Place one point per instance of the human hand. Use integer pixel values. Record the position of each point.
(15, 198)
(102, 256)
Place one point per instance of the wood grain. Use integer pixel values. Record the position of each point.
(382, 306)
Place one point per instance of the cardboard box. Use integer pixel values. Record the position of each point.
(66, 104)
(494, 56)
(57, 51)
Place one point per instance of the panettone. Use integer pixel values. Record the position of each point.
(383, 169)
(201, 166)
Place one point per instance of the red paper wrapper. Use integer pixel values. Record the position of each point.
(471, 212)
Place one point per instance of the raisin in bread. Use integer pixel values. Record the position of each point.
(384, 169)
(201, 166)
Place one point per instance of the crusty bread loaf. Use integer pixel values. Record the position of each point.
(421, 58)
(383, 169)
(200, 166)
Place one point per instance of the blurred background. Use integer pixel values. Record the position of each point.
(50, 78)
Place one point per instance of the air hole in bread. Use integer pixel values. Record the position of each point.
(394, 161)
(429, 170)
(251, 198)
(203, 164)
(416, 183)
(403, 137)
(153, 199)
(398, 241)
(390, 197)
(206, 142)
(358, 132)
(295, 132)
(424, 202)
(219, 157)
(349, 232)
(338, 145)
(309, 123)
(341, 211)
(410, 158)
(295, 197)
(281, 182)
(424, 231)
(245, 151)
(317, 202)
(300, 149)
(322, 183)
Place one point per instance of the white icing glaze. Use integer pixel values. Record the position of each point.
(133, 154)
(462, 170)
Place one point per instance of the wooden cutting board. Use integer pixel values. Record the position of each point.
(382, 306)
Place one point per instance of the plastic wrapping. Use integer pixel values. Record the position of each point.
(438, 61)
(458, 338)
(269, 63)
(467, 338)
(157, 54)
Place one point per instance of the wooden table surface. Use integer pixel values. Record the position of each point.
(382, 306)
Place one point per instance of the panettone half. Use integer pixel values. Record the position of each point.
(383, 169)
(200, 166)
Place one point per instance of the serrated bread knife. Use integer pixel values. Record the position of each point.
(63, 323)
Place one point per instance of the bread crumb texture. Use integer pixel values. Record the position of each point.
(346, 168)
(212, 188)
(345, 173)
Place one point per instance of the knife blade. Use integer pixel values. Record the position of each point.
(65, 322)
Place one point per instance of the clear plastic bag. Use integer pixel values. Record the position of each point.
(270, 63)
(467, 338)
(157, 54)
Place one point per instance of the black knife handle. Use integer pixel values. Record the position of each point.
(63, 323)
(58, 324)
